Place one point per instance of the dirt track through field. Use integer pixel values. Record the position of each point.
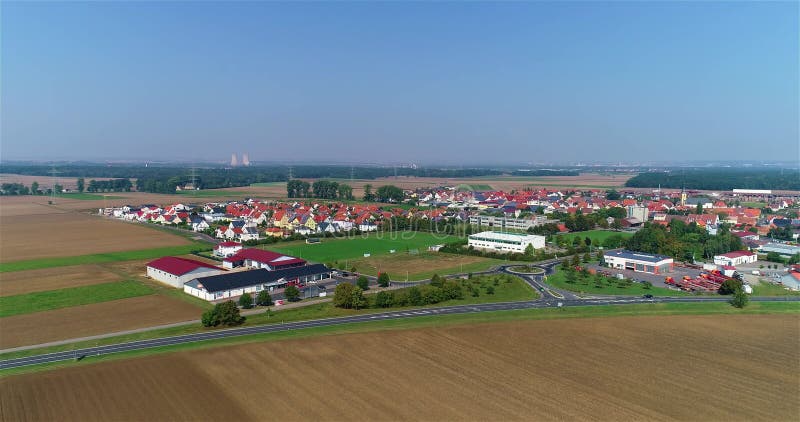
(645, 368)
(94, 319)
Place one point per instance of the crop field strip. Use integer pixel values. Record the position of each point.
(27, 238)
(20, 282)
(563, 369)
(94, 319)
(72, 296)
(101, 257)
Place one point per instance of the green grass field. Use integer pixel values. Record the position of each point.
(770, 289)
(34, 264)
(654, 309)
(597, 236)
(88, 196)
(754, 204)
(74, 296)
(211, 193)
(474, 187)
(417, 267)
(330, 249)
(609, 287)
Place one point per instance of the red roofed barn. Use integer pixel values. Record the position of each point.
(176, 271)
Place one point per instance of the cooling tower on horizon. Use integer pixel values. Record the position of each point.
(234, 161)
(245, 160)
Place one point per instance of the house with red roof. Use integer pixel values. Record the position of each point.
(175, 271)
(226, 249)
(259, 258)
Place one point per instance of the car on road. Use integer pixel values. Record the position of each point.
(648, 296)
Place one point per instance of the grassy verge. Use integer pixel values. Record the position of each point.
(607, 287)
(504, 292)
(34, 264)
(769, 289)
(656, 309)
(73, 296)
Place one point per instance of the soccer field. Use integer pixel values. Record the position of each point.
(597, 236)
(331, 249)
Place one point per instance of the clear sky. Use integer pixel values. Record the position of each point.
(396, 82)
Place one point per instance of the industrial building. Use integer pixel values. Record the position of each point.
(780, 248)
(505, 242)
(638, 261)
(176, 271)
(235, 284)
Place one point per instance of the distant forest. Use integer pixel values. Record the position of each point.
(719, 179)
(164, 179)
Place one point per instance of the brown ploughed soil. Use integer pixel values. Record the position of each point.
(693, 368)
(71, 234)
(21, 282)
(94, 319)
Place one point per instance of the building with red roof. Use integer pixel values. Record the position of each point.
(259, 258)
(226, 249)
(736, 258)
(175, 271)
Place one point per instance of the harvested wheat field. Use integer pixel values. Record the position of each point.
(20, 282)
(94, 319)
(71, 234)
(634, 368)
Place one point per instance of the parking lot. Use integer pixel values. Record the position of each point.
(656, 280)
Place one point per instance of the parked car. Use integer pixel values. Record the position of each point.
(648, 296)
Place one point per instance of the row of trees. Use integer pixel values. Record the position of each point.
(113, 185)
(683, 241)
(352, 297)
(385, 193)
(719, 179)
(322, 189)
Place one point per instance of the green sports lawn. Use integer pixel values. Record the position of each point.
(597, 236)
(73, 296)
(335, 249)
(34, 264)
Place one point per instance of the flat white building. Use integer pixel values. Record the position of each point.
(505, 242)
(638, 261)
(736, 258)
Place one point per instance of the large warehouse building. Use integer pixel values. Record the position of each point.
(638, 261)
(176, 271)
(505, 242)
(235, 284)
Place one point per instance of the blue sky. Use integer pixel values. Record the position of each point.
(397, 82)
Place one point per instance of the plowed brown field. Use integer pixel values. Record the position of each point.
(20, 282)
(709, 368)
(94, 319)
(71, 233)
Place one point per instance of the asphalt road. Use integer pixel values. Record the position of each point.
(544, 302)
